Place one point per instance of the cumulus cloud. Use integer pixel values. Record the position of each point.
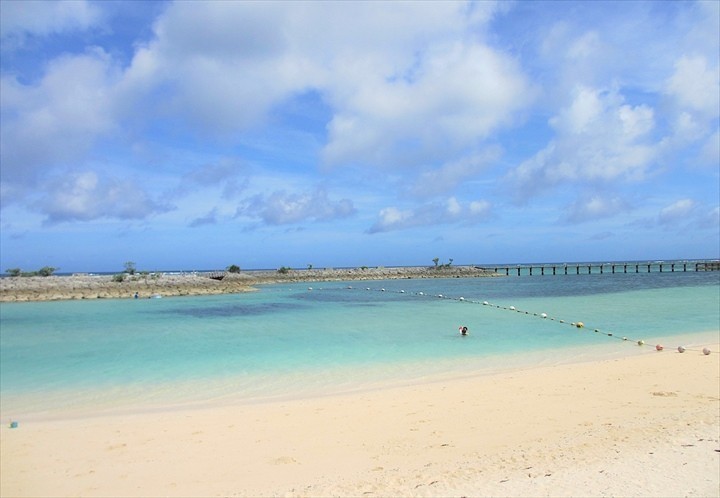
(695, 85)
(677, 212)
(451, 174)
(595, 207)
(599, 139)
(87, 196)
(282, 208)
(451, 211)
(397, 88)
(692, 90)
(209, 219)
(457, 95)
(45, 17)
(228, 173)
(56, 121)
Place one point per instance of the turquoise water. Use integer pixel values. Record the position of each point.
(288, 340)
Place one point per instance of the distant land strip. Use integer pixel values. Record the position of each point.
(159, 284)
(88, 286)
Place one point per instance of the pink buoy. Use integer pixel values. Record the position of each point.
(706, 351)
(681, 349)
(659, 347)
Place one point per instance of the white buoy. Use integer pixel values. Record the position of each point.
(440, 295)
(485, 303)
(461, 299)
(512, 308)
(420, 294)
(309, 288)
(681, 349)
(382, 290)
(641, 342)
(544, 315)
(706, 351)
(402, 291)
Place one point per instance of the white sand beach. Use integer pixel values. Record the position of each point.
(645, 425)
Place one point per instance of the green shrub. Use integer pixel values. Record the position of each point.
(118, 277)
(233, 269)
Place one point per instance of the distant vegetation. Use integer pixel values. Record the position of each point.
(45, 271)
(233, 269)
(130, 268)
(284, 270)
(438, 265)
(131, 273)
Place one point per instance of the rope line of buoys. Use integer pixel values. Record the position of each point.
(544, 316)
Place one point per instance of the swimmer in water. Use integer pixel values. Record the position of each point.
(463, 330)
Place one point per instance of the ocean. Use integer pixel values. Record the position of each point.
(80, 358)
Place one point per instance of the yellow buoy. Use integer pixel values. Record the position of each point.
(579, 325)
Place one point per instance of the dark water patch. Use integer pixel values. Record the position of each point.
(235, 309)
(349, 296)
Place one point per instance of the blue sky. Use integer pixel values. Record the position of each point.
(195, 135)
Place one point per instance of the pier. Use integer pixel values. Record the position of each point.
(600, 268)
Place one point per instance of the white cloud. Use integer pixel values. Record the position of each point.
(458, 94)
(711, 150)
(451, 211)
(695, 86)
(393, 80)
(598, 138)
(87, 196)
(595, 207)
(57, 121)
(209, 219)
(227, 173)
(451, 174)
(282, 208)
(45, 17)
(677, 212)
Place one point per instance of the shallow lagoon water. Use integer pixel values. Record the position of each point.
(289, 341)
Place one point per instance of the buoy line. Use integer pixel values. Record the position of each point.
(543, 316)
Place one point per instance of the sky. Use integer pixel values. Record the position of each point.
(197, 135)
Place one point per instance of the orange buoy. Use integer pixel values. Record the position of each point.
(659, 347)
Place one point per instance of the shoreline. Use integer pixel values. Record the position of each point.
(642, 425)
(81, 286)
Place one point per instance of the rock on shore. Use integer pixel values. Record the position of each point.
(54, 288)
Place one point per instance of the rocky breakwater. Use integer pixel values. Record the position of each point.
(53, 288)
(366, 273)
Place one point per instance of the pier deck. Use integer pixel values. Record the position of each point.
(599, 268)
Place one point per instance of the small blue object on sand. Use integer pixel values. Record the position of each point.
(13, 425)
